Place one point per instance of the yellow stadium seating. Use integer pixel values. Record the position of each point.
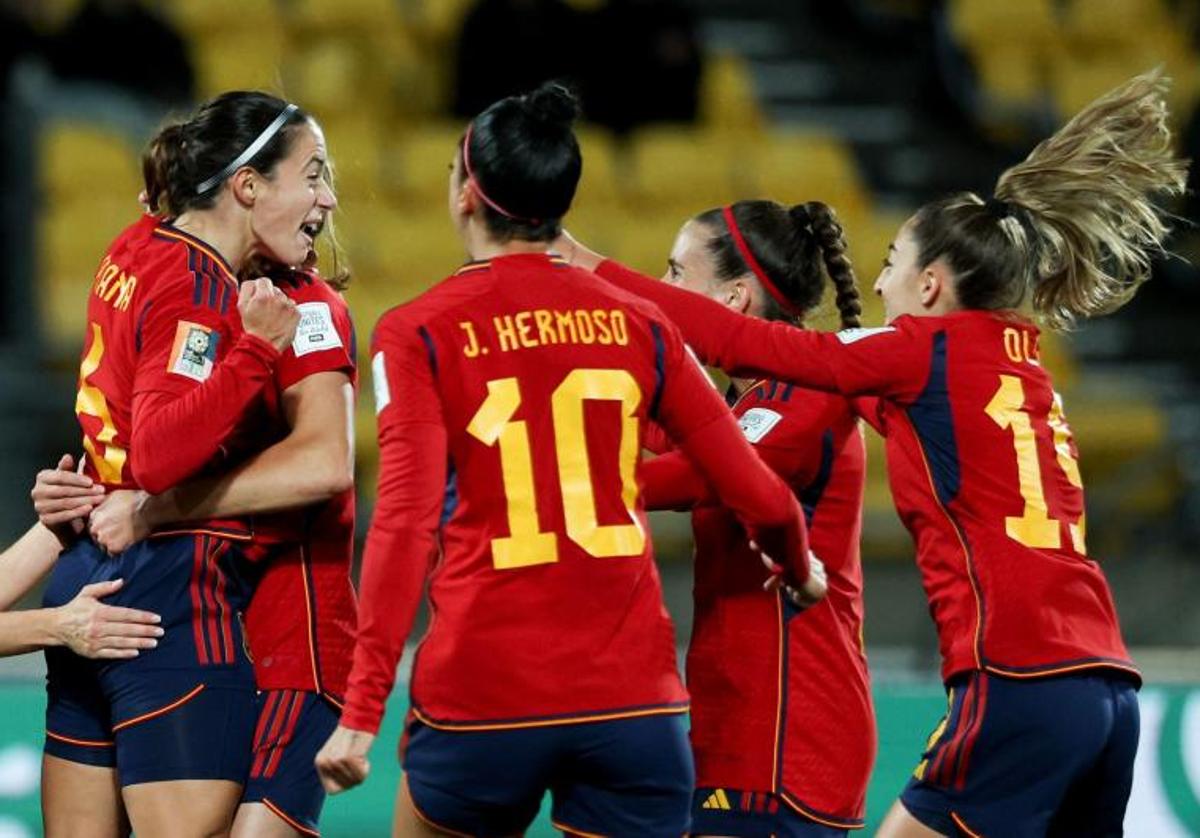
(808, 167)
(85, 160)
(421, 162)
(728, 101)
(686, 168)
(198, 18)
(239, 59)
(72, 237)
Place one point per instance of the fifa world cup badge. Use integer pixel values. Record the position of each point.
(194, 352)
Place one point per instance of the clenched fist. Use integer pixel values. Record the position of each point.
(267, 312)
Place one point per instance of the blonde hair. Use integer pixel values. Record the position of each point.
(1076, 222)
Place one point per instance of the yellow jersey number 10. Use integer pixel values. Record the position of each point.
(493, 424)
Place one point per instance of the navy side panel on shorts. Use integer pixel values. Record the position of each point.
(292, 728)
(1045, 756)
(184, 710)
(624, 777)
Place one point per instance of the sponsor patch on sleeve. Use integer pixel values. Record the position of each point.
(315, 331)
(383, 393)
(757, 422)
(194, 352)
(855, 335)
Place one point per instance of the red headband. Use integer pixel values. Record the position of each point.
(479, 188)
(756, 268)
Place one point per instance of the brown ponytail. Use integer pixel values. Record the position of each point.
(1089, 193)
(832, 240)
(185, 156)
(1075, 223)
(798, 248)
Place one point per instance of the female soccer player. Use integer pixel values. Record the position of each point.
(301, 619)
(782, 726)
(512, 400)
(1043, 719)
(167, 374)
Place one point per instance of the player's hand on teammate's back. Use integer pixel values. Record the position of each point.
(802, 596)
(117, 524)
(95, 630)
(342, 761)
(267, 312)
(63, 498)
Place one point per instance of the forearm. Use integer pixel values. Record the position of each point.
(670, 481)
(288, 475)
(194, 426)
(25, 563)
(400, 549)
(395, 565)
(735, 343)
(752, 491)
(28, 631)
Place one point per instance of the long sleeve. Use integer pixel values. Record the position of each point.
(701, 425)
(670, 481)
(402, 541)
(892, 361)
(195, 375)
(193, 426)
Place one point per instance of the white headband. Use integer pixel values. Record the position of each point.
(251, 150)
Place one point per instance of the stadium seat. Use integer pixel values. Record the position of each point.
(728, 101)
(688, 169)
(257, 66)
(85, 160)
(198, 18)
(72, 237)
(793, 167)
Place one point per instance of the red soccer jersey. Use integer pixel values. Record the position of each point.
(301, 621)
(983, 471)
(781, 701)
(512, 402)
(167, 372)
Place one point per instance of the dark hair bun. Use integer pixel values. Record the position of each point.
(552, 104)
(800, 216)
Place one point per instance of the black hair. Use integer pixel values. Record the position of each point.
(797, 248)
(525, 158)
(182, 156)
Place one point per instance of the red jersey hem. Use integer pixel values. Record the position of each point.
(547, 721)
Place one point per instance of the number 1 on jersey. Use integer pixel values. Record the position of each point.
(1035, 528)
(492, 423)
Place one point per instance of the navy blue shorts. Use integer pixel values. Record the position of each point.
(625, 777)
(1044, 756)
(744, 814)
(184, 710)
(292, 727)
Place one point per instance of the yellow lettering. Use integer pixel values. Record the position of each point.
(545, 326)
(525, 329)
(471, 350)
(506, 332)
(619, 327)
(587, 332)
(126, 297)
(1012, 345)
(566, 327)
(103, 280)
(603, 335)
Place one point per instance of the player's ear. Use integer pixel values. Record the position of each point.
(737, 295)
(245, 185)
(934, 282)
(467, 202)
